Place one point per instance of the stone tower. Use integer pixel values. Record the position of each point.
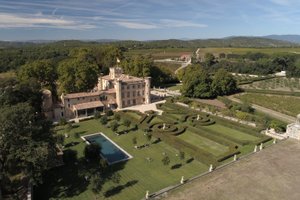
(147, 90)
(118, 93)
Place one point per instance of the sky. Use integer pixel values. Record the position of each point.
(146, 19)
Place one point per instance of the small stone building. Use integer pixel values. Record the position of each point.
(293, 130)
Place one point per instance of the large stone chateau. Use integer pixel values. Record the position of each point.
(114, 91)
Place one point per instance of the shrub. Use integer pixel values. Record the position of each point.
(97, 115)
(103, 120)
(109, 113)
(117, 116)
(62, 121)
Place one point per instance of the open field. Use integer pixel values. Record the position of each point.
(270, 174)
(246, 50)
(285, 104)
(276, 84)
(161, 53)
(145, 171)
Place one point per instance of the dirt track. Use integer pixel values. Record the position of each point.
(273, 173)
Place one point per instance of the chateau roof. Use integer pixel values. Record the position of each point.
(92, 104)
(88, 94)
(124, 78)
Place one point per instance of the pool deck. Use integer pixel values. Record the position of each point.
(109, 163)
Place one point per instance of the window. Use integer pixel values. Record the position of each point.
(143, 92)
(69, 105)
(139, 86)
(128, 87)
(133, 93)
(128, 94)
(123, 103)
(133, 86)
(128, 102)
(68, 100)
(78, 99)
(138, 93)
(123, 95)
(134, 101)
(62, 114)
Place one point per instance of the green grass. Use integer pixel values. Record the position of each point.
(231, 132)
(150, 176)
(285, 104)
(174, 87)
(203, 143)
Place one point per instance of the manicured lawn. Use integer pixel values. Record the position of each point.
(203, 143)
(231, 132)
(285, 104)
(68, 182)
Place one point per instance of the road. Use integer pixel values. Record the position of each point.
(272, 113)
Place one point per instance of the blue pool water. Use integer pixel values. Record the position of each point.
(109, 150)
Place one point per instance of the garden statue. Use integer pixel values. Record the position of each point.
(182, 180)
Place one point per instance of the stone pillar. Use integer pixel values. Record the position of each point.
(119, 93)
(255, 149)
(147, 194)
(234, 157)
(210, 168)
(99, 85)
(147, 90)
(274, 141)
(261, 146)
(182, 180)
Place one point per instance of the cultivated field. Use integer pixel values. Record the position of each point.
(286, 104)
(276, 84)
(161, 53)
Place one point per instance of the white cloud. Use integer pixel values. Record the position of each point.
(135, 25)
(39, 20)
(164, 23)
(181, 23)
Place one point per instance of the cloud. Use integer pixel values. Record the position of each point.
(164, 23)
(135, 25)
(8, 20)
(181, 23)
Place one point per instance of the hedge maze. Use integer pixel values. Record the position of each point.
(199, 127)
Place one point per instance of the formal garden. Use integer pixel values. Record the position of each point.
(180, 142)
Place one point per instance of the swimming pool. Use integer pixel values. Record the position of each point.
(109, 150)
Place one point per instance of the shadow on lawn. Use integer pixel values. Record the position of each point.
(115, 190)
(61, 182)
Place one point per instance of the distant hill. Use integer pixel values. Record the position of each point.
(289, 38)
(172, 43)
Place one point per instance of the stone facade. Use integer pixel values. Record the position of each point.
(116, 90)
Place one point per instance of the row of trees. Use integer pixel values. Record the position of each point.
(199, 83)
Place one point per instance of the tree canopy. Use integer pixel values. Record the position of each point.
(198, 83)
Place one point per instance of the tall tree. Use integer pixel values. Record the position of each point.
(27, 145)
(77, 75)
(223, 83)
